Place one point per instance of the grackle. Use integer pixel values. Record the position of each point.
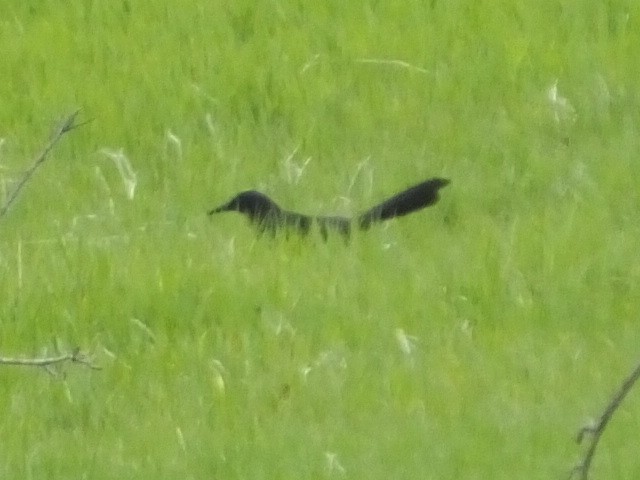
(268, 216)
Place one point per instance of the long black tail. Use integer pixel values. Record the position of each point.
(410, 200)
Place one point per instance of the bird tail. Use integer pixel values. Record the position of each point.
(412, 199)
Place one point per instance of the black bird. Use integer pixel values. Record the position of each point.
(268, 216)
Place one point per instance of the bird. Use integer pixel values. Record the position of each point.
(269, 217)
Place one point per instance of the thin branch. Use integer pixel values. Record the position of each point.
(595, 431)
(66, 126)
(74, 357)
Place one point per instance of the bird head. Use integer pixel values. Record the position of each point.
(254, 204)
(438, 183)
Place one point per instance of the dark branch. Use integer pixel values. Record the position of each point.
(66, 126)
(596, 430)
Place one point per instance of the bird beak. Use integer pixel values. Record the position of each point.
(222, 208)
(443, 182)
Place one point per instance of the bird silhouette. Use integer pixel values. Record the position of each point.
(268, 216)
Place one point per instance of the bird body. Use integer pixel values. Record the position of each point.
(267, 215)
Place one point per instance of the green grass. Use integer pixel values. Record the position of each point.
(229, 356)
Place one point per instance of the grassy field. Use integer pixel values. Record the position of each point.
(468, 341)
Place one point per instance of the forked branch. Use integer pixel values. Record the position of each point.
(594, 431)
(66, 126)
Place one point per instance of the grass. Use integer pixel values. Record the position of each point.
(471, 340)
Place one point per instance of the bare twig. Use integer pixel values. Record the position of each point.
(595, 431)
(66, 126)
(75, 357)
